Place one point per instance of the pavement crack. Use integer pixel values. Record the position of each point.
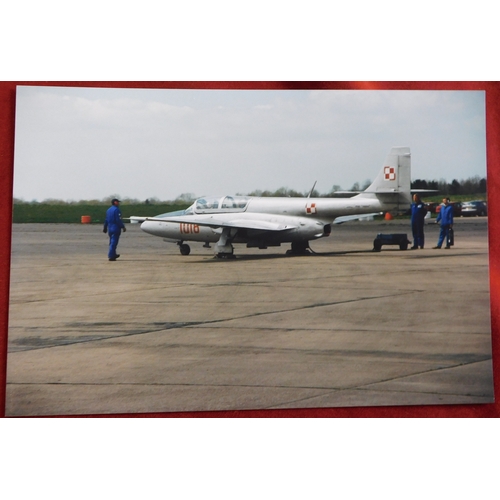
(66, 341)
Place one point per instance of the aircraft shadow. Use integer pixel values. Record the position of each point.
(248, 257)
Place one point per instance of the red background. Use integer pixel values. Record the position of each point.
(492, 89)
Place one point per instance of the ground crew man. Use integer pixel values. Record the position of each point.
(445, 216)
(418, 212)
(113, 225)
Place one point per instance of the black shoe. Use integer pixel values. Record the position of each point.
(117, 255)
(413, 248)
(112, 260)
(447, 247)
(435, 247)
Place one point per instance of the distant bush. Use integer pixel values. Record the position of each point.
(69, 212)
(72, 213)
(464, 187)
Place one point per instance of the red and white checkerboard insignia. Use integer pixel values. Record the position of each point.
(389, 173)
(310, 208)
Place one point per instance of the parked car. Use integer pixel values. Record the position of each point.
(457, 208)
(431, 207)
(474, 208)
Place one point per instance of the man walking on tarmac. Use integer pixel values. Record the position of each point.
(445, 215)
(113, 225)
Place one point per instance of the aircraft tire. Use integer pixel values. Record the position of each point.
(299, 248)
(377, 245)
(185, 249)
(225, 256)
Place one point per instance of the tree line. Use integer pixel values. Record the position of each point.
(185, 198)
(472, 185)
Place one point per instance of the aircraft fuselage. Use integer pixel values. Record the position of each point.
(279, 220)
(261, 221)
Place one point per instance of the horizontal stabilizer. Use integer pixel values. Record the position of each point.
(424, 191)
(383, 191)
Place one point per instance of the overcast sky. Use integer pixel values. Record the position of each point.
(88, 143)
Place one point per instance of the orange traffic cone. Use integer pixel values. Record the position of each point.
(388, 216)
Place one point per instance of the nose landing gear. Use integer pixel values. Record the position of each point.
(184, 248)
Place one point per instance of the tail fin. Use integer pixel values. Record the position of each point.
(392, 185)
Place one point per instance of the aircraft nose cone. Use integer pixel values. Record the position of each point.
(150, 227)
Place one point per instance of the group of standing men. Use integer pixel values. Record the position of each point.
(445, 217)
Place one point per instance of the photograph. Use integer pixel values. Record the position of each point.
(271, 248)
(249, 251)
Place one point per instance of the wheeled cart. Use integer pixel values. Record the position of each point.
(390, 239)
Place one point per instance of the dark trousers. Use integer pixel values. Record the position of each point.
(114, 237)
(444, 233)
(418, 234)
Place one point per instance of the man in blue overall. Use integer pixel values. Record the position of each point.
(445, 215)
(418, 212)
(113, 225)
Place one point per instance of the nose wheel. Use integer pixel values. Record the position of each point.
(184, 248)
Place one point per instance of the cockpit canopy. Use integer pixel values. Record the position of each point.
(210, 204)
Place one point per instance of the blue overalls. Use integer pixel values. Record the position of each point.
(418, 212)
(113, 224)
(445, 215)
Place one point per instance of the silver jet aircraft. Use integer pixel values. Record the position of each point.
(262, 222)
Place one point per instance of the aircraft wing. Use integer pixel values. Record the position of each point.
(214, 222)
(134, 219)
(347, 218)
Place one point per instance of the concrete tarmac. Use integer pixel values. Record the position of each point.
(156, 331)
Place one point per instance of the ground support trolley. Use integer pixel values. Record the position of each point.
(390, 239)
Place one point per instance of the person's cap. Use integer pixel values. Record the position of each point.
(115, 199)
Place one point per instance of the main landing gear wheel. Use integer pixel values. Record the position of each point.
(299, 248)
(185, 249)
(225, 256)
